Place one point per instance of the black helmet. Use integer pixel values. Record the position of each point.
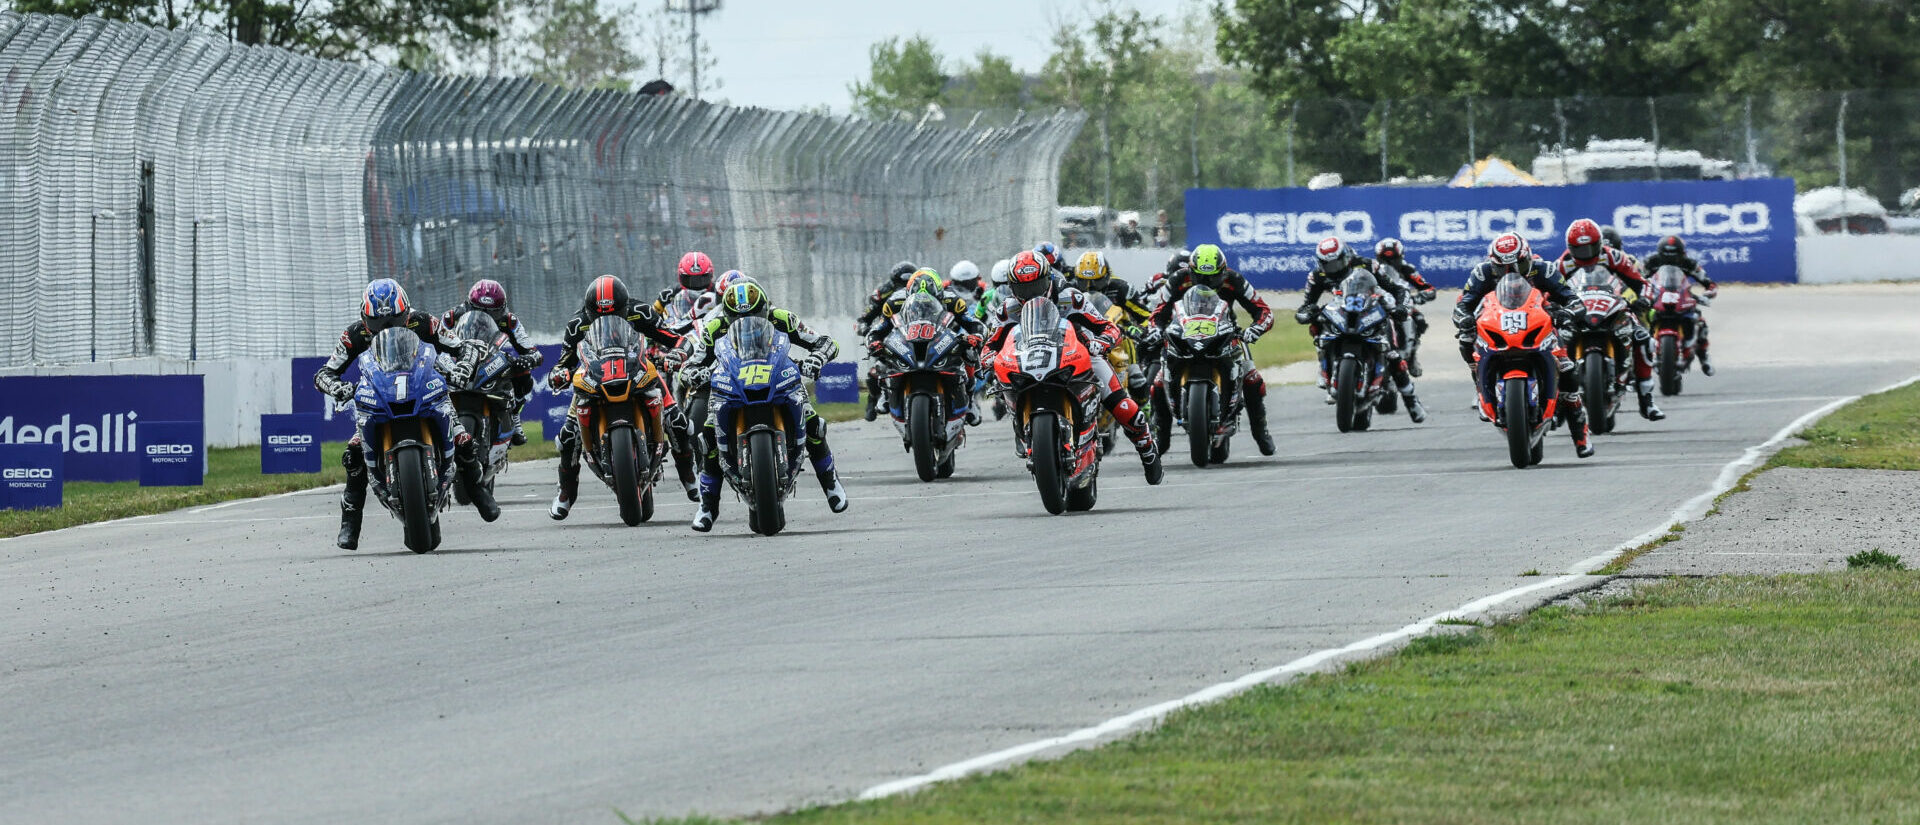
(607, 296)
(1178, 260)
(1672, 247)
(901, 271)
(1611, 237)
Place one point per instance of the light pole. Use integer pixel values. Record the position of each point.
(93, 282)
(193, 345)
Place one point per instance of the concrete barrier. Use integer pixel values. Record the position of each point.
(1839, 259)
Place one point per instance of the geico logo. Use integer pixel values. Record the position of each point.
(1476, 224)
(1294, 228)
(31, 472)
(169, 449)
(1693, 219)
(283, 440)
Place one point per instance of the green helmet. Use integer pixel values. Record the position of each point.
(1207, 260)
(925, 280)
(744, 298)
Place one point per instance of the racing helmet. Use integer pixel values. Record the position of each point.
(383, 305)
(607, 295)
(1510, 254)
(900, 272)
(1178, 260)
(1048, 254)
(696, 271)
(1092, 271)
(1584, 241)
(1672, 247)
(1389, 249)
(1000, 269)
(1611, 237)
(745, 298)
(1030, 277)
(1209, 265)
(966, 276)
(488, 296)
(1335, 257)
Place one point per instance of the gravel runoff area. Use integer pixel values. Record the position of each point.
(1796, 520)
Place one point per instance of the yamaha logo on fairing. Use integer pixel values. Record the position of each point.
(1274, 228)
(1639, 220)
(12, 474)
(288, 440)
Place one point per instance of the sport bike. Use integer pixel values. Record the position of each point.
(683, 317)
(1676, 327)
(1600, 343)
(400, 404)
(621, 436)
(924, 368)
(1047, 372)
(1355, 335)
(484, 404)
(1203, 372)
(759, 398)
(1516, 359)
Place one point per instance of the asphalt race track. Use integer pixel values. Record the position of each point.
(228, 664)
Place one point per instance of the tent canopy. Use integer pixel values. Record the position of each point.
(1491, 171)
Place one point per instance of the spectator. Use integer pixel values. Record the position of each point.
(1128, 234)
(1162, 233)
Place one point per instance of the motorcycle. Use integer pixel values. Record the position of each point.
(1676, 312)
(623, 442)
(407, 434)
(759, 398)
(926, 382)
(1354, 340)
(484, 404)
(1047, 372)
(1599, 345)
(1202, 374)
(1516, 344)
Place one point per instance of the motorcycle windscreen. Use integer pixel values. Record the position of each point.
(1671, 279)
(1102, 305)
(476, 326)
(1040, 336)
(1592, 278)
(395, 349)
(1358, 289)
(610, 335)
(921, 318)
(751, 338)
(1201, 302)
(687, 305)
(1513, 291)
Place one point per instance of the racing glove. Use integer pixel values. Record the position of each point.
(340, 391)
(1303, 315)
(1640, 304)
(862, 328)
(1426, 295)
(876, 346)
(530, 360)
(1249, 335)
(1400, 312)
(1713, 290)
(462, 373)
(558, 378)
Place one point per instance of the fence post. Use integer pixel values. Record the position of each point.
(93, 282)
(1653, 117)
(1840, 143)
(1386, 113)
(1747, 122)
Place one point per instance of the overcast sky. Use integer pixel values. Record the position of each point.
(787, 54)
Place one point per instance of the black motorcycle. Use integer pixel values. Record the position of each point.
(1203, 372)
(1599, 339)
(924, 371)
(1355, 335)
(484, 404)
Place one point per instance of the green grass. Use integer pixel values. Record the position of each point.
(1283, 345)
(232, 473)
(1878, 432)
(1739, 700)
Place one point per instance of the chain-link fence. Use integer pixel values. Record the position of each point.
(170, 194)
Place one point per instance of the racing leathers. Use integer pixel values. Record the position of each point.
(1641, 342)
(659, 400)
(1100, 336)
(1234, 289)
(522, 373)
(1399, 301)
(1480, 283)
(965, 319)
(821, 349)
(1421, 292)
(354, 341)
(1693, 269)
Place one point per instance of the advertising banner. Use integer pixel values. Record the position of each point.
(31, 476)
(335, 425)
(547, 408)
(95, 418)
(839, 384)
(173, 453)
(290, 443)
(1739, 230)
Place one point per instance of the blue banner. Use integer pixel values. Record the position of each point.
(839, 384)
(290, 443)
(31, 476)
(173, 454)
(335, 425)
(95, 418)
(547, 408)
(1738, 230)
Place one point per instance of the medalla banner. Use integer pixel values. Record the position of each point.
(1739, 230)
(95, 419)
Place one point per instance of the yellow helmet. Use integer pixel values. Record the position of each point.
(1092, 267)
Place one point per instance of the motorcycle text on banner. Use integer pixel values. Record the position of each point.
(32, 476)
(173, 453)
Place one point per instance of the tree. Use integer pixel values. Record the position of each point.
(335, 29)
(905, 77)
(578, 47)
(989, 83)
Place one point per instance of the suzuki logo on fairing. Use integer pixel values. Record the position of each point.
(34, 472)
(1693, 219)
(1476, 224)
(288, 440)
(1273, 228)
(169, 449)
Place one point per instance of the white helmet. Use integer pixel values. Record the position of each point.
(965, 272)
(1001, 269)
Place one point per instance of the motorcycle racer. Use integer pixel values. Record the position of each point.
(1093, 274)
(1336, 259)
(1208, 267)
(383, 306)
(745, 298)
(1032, 278)
(1510, 254)
(488, 296)
(607, 296)
(695, 274)
(1586, 247)
(1389, 253)
(1673, 252)
(928, 281)
(876, 303)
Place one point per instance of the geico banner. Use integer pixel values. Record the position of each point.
(95, 418)
(290, 443)
(172, 454)
(1739, 230)
(30, 476)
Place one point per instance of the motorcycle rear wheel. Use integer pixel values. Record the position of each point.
(1516, 419)
(1200, 423)
(763, 473)
(1045, 454)
(416, 513)
(926, 457)
(1669, 366)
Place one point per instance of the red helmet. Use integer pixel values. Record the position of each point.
(1584, 240)
(696, 271)
(1030, 278)
(1510, 253)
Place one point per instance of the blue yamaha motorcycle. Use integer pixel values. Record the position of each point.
(758, 398)
(1353, 351)
(406, 422)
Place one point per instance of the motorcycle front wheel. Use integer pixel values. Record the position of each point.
(1516, 419)
(416, 514)
(1596, 376)
(763, 473)
(1199, 398)
(1670, 365)
(1045, 455)
(1346, 392)
(629, 465)
(920, 424)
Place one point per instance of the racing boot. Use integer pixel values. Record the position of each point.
(973, 416)
(1706, 367)
(999, 407)
(519, 437)
(466, 456)
(353, 500)
(874, 396)
(1133, 422)
(1649, 410)
(569, 475)
(1576, 418)
(1415, 410)
(1257, 416)
(680, 444)
(709, 491)
(822, 458)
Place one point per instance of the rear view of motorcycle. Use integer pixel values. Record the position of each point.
(1203, 372)
(401, 408)
(924, 371)
(622, 440)
(1050, 385)
(1354, 339)
(1517, 367)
